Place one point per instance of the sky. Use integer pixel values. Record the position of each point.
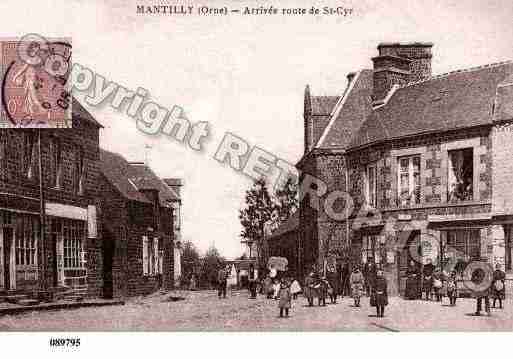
(246, 75)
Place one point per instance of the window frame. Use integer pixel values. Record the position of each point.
(412, 188)
(371, 201)
(449, 197)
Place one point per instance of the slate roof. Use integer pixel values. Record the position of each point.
(130, 179)
(323, 105)
(79, 111)
(144, 178)
(116, 170)
(291, 224)
(450, 101)
(349, 113)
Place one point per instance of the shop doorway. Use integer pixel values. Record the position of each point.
(411, 250)
(108, 256)
(7, 248)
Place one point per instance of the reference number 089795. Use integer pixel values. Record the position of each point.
(65, 342)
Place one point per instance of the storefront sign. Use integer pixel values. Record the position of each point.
(66, 211)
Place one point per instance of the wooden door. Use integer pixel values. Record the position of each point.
(7, 247)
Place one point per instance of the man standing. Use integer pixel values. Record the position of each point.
(428, 270)
(482, 290)
(222, 276)
(252, 282)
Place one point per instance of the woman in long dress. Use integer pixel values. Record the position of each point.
(356, 281)
(412, 281)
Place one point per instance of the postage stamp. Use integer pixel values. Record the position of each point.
(34, 90)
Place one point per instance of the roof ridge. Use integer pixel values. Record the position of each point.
(337, 108)
(446, 74)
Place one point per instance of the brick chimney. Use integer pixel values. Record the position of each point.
(399, 64)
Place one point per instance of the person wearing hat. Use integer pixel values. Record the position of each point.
(309, 288)
(222, 282)
(482, 291)
(285, 298)
(379, 295)
(498, 287)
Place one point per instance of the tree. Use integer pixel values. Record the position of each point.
(286, 200)
(211, 263)
(258, 211)
(190, 260)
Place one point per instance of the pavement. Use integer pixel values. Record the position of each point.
(204, 311)
(15, 308)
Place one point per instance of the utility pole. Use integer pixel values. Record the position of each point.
(41, 213)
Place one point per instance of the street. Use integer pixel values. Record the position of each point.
(202, 310)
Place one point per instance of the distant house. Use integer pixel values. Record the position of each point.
(138, 233)
(284, 242)
(175, 185)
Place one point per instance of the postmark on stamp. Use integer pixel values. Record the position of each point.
(34, 82)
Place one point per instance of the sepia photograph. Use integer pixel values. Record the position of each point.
(235, 166)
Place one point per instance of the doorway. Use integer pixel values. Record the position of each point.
(108, 256)
(411, 245)
(7, 245)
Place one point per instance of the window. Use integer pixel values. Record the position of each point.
(146, 267)
(370, 249)
(151, 256)
(73, 232)
(161, 261)
(509, 248)
(56, 162)
(177, 218)
(463, 246)
(78, 172)
(29, 149)
(370, 186)
(26, 240)
(408, 180)
(460, 176)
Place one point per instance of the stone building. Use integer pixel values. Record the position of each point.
(426, 161)
(64, 250)
(138, 230)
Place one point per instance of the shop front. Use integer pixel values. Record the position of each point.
(19, 240)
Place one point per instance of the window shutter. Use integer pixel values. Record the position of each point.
(145, 254)
(156, 255)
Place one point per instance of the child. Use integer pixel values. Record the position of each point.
(437, 284)
(295, 289)
(356, 281)
(276, 287)
(331, 293)
(285, 298)
(379, 297)
(452, 288)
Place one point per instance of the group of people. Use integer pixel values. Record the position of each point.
(427, 282)
(432, 281)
